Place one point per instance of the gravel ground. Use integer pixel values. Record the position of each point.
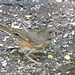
(59, 58)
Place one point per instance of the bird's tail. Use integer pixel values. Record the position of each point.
(7, 30)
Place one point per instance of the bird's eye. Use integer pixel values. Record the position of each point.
(50, 32)
(50, 39)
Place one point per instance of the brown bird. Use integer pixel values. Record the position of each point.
(37, 40)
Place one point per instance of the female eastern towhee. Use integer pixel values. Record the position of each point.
(36, 40)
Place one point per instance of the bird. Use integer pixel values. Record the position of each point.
(37, 40)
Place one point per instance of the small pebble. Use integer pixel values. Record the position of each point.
(6, 37)
(14, 25)
(65, 35)
(1, 45)
(67, 72)
(0, 11)
(4, 63)
(73, 32)
(15, 15)
(28, 16)
(58, 0)
(67, 57)
(73, 24)
(50, 56)
(0, 31)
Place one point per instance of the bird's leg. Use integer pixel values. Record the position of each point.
(32, 60)
(32, 55)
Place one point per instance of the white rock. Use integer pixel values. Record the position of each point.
(0, 11)
(73, 32)
(58, 0)
(65, 35)
(4, 63)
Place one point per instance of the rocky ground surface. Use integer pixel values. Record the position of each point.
(59, 58)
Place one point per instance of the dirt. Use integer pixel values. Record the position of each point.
(62, 17)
